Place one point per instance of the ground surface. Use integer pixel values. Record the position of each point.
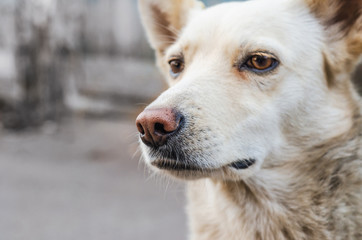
(79, 181)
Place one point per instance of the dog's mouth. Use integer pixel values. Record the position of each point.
(176, 166)
(243, 164)
(173, 165)
(172, 158)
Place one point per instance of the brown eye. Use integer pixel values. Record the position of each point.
(177, 66)
(261, 63)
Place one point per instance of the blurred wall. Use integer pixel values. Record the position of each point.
(84, 55)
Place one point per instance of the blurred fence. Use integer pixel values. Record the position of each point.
(89, 56)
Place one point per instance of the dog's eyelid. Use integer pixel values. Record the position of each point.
(262, 53)
(179, 59)
(246, 55)
(178, 56)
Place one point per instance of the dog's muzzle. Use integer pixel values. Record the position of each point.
(161, 130)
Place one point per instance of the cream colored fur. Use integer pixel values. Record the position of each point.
(300, 121)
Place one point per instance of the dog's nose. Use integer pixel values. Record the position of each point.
(157, 125)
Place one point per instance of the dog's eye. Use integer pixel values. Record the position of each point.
(261, 63)
(176, 67)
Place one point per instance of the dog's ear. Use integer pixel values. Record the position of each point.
(342, 20)
(163, 20)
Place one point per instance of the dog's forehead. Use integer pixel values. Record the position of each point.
(277, 23)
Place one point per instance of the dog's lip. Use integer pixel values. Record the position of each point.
(243, 164)
(173, 165)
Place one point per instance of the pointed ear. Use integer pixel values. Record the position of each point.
(343, 13)
(342, 20)
(163, 20)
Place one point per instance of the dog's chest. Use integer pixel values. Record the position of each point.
(215, 215)
(221, 212)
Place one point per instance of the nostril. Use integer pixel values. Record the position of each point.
(140, 129)
(160, 129)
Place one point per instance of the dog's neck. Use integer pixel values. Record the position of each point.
(282, 202)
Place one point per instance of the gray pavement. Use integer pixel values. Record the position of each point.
(81, 181)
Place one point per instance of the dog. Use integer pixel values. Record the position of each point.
(260, 116)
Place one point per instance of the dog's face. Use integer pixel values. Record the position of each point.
(248, 86)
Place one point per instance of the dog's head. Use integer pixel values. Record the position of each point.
(252, 84)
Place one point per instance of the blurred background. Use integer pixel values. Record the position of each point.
(73, 77)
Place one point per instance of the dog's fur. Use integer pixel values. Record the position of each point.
(301, 121)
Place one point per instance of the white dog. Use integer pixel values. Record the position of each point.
(260, 115)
